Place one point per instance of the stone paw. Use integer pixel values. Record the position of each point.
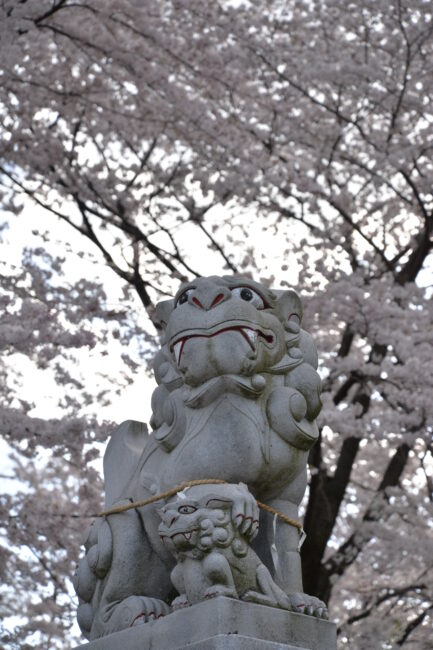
(220, 590)
(136, 610)
(309, 605)
(245, 511)
(180, 602)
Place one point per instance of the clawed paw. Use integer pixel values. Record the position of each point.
(309, 605)
(151, 610)
(220, 590)
(136, 610)
(245, 512)
(180, 602)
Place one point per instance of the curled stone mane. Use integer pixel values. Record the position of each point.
(233, 346)
(217, 534)
(237, 399)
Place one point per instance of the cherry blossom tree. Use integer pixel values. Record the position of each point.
(153, 129)
(48, 329)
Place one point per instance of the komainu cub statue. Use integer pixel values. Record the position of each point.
(237, 399)
(213, 557)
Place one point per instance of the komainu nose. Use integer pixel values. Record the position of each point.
(208, 297)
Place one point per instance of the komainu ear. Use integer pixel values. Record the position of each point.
(288, 306)
(163, 311)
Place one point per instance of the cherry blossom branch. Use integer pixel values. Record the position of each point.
(388, 595)
(412, 625)
(348, 552)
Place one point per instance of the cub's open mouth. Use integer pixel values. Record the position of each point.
(250, 334)
(187, 534)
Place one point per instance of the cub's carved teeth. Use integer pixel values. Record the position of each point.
(185, 534)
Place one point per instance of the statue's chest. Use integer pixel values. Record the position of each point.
(224, 440)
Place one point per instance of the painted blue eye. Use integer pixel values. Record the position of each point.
(249, 295)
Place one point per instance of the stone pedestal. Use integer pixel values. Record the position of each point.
(224, 624)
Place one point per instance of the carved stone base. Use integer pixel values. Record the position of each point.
(225, 624)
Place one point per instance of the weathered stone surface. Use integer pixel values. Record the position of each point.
(213, 554)
(223, 623)
(237, 398)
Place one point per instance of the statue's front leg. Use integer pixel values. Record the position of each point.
(284, 540)
(279, 547)
(217, 572)
(120, 581)
(282, 546)
(177, 578)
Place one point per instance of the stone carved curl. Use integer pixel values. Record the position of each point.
(213, 557)
(237, 399)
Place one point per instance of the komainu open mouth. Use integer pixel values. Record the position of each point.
(249, 333)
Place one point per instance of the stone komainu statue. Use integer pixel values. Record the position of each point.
(214, 557)
(237, 398)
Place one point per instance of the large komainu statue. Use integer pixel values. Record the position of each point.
(237, 398)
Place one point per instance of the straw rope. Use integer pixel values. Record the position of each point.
(169, 493)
